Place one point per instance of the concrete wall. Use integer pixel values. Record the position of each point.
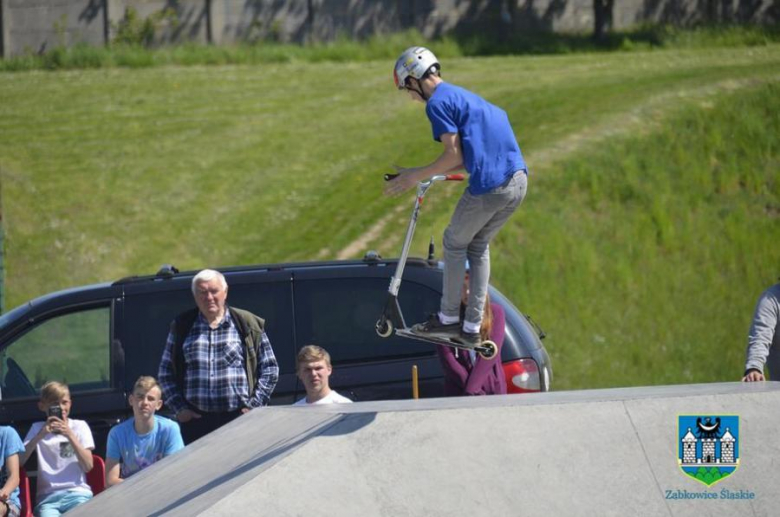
(579, 453)
(241, 20)
(190, 22)
(39, 25)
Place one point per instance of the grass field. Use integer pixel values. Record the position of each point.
(650, 227)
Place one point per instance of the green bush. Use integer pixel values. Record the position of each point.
(132, 46)
(134, 31)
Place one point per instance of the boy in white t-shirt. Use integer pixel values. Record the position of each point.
(144, 439)
(64, 448)
(313, 368)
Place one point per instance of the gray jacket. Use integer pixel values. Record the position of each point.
(764, 338)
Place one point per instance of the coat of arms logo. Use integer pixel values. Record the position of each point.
(708, 447)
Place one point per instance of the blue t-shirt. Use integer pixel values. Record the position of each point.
(10, 444)
(490, 151)
(136, 452)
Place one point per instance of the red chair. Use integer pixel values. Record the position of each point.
(24, 494)
(96, 478)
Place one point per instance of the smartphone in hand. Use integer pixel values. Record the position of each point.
(55, 410)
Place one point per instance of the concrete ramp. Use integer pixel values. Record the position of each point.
(589, 453)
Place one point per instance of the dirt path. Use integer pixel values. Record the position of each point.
(640, 119)
(360, 245)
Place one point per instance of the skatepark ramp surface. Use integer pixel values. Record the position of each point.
(590, 453)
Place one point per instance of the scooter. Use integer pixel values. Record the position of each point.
(392, 319)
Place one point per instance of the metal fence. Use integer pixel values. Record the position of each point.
(35, 26)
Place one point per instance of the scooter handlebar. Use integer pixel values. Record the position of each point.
(448, 177)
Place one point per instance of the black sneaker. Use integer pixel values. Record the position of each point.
(471, 339)
(434, 327)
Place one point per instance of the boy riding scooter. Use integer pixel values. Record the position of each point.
(477, 137)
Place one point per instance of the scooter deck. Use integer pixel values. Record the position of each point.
(441, 340)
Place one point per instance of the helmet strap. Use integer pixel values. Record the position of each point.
(419, 90)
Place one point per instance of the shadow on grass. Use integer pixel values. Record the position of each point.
(643, 38)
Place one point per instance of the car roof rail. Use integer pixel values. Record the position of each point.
(372, 256)
(370, 259)
(166, 271)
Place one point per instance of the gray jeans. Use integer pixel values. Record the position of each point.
(474, 223)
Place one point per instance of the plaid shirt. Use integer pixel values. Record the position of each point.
(215, 376)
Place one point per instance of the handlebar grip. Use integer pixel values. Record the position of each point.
(455, 177)
(391, 177)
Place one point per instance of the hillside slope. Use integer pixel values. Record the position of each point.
(113, 172)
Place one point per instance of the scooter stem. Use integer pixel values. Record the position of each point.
(392, 318)
(395, 282)
(422, 188)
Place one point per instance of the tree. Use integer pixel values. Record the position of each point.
(602, 18)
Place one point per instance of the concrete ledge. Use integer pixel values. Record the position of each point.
(595, 452)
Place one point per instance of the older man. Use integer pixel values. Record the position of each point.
(218, 362)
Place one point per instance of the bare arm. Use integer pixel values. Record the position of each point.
(30, 446)
(112, 472)
(12, 467)
(450, 160)
(82, 454)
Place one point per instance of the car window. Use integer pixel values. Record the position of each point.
(72, 348)
(145, 323)
(340, 315)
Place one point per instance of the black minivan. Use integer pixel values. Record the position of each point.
(100, 338)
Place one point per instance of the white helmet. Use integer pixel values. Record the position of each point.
(414, 62)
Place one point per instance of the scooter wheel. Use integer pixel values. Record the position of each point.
(384, 328)
(489, 350)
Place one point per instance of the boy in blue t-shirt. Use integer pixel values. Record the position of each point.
(11, 447)
(477, 137)
(143, 439)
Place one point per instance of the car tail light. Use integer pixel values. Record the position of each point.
(522, 376)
